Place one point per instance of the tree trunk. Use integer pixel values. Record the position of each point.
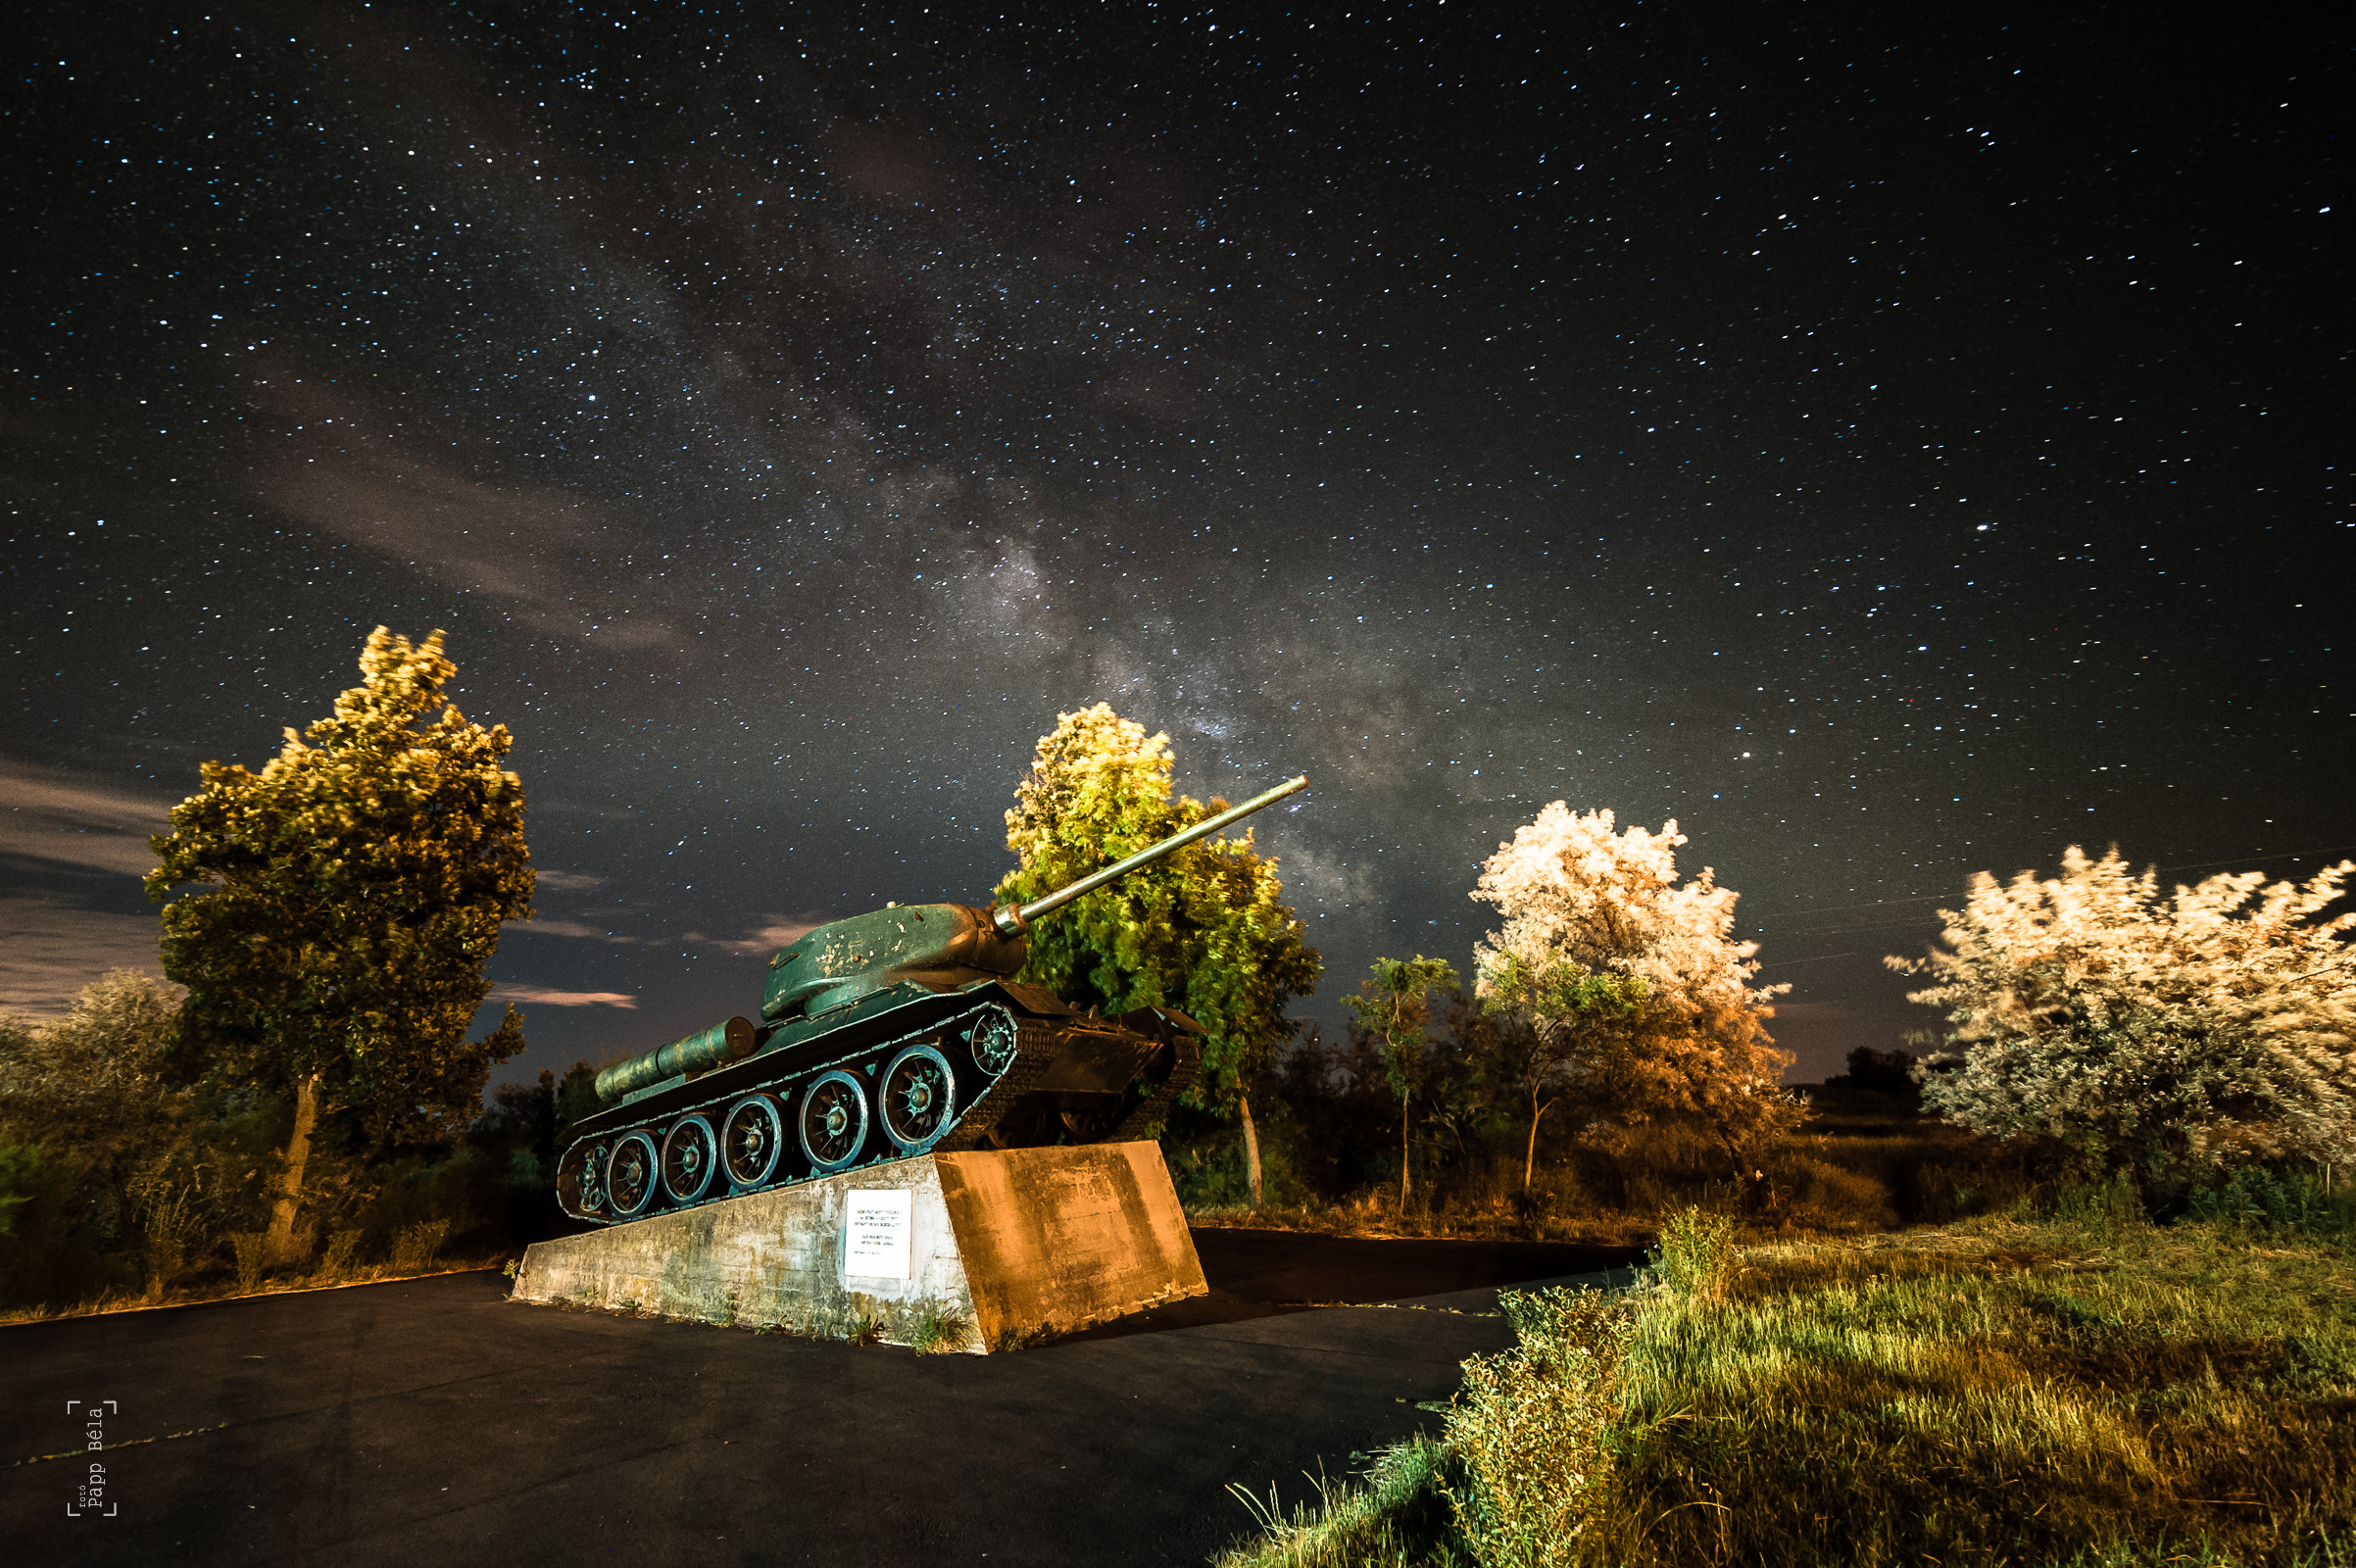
(1530, 1161)
(1250, 1147)
(1402, 1157)
(280, 1245)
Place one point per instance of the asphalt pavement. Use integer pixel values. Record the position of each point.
(435, 1421)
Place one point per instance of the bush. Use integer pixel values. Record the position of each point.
(19, 1164)
(2116, 1200)
(63, 1240)
(2255, 1197)
(1696, 1255)
(415, 1245)
(342, 1249)
(1528, 1429)
(1880, 1072)
(253, 1251)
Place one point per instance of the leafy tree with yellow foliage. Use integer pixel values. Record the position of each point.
(1204, 931)
(350, 894)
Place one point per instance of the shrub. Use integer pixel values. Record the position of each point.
(1696, 1255)
(415, 1245)
(61, 1244)
(252, 1249)
(1528, 1428)
(342, 1248)
(19, 1164)
(2255, 1197)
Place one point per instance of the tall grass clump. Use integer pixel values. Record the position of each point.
(1695, 1257)
(415, 1246)
(252, 1251)
(1395, 1514)
(343, 1252)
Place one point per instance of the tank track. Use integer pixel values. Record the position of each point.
(1155, 1107)
(645, 1142)
(1034, 1054)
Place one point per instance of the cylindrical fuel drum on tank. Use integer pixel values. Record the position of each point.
(715, 1047)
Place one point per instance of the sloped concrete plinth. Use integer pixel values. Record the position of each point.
(997, 1248)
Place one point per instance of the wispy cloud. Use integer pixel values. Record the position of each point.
(549, 996)
(49, 949)
(50, 814)
(564, 881)
(566, 928)
(536, 548)
(54, 821)
(781, 931)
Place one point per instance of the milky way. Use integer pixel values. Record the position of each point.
(1894, 449)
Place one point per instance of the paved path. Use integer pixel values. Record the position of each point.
(434, 1422)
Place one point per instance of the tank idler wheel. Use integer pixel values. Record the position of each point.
(632, 1175)
(579, 1191)
(688, 1159)
(751, 1140)
(833, 1122)
(994, 1041)
(918, 1096)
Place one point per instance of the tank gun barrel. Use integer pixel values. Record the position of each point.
(1010, 921)
(937, 947)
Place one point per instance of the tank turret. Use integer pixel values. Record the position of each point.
(884, 1035)
(944, 946)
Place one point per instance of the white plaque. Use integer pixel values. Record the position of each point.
(877, 1226)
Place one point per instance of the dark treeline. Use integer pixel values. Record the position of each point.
(1863, 1156)
(118, 1183)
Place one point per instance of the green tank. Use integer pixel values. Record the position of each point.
(883, 1035)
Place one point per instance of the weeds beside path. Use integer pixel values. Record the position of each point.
(231, 1290)
(1992, 1392)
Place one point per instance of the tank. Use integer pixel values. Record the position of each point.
(884, 1036)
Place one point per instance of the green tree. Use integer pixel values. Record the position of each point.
(1394, 1009)
(1580, 1031)
(351, 892)
(89, 1112)
(94, 1072)
(1205, 931)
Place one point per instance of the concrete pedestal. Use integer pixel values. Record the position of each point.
(982, 1252)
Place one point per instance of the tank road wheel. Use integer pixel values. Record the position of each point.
(579, 1192)
(630, 1175)
(919, 1097)
(833, 1121)
(994, 1042)
(751, 1140)
(689, 1158)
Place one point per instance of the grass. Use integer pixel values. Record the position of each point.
(929, 1326)
(330, 1273)
(2079, 1389)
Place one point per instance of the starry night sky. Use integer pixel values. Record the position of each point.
(1891, 443)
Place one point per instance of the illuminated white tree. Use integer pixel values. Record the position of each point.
(2157, 1033)
(1583, 901)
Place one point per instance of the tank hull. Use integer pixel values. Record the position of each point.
(907, 1071)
